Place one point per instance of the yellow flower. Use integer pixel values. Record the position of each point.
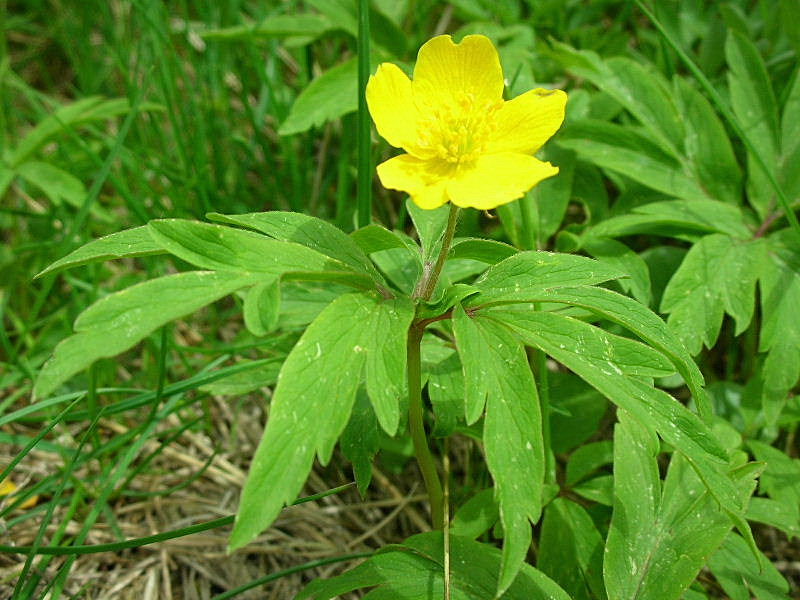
(465, 144)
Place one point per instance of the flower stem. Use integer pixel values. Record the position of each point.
(416, 426)
(430, 277)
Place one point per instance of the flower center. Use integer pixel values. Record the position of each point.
(457, 132)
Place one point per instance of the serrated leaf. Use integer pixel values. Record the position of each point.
(717, 275)
(790, 141)
(314, 397)
(330, 96)
(526, 274)
(571, 550)
(118, 321)
(128, 243)
(660, 536)
(495, 364)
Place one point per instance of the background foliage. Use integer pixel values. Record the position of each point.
(679, 167)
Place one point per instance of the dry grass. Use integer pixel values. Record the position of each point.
(197, 567)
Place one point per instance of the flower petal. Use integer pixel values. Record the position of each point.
(525, 123)
(497, 179)
(424, 180)
(392, 106)
(448, 73)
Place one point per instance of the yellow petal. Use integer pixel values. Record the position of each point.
(424, 180)
(525, 123)
(391, 105)
(497, 179)
(448, 73)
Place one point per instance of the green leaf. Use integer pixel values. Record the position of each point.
(642, 322)
(445, 384)
(360, 441)
(262, 307)
(128, 243)
(674, 217)
(780, 330)
(743, 577)
(308, 26)
(717, 275)
(56, 183)
(783, 515)
(374, 238)
(660, 536)
(587, 459)
(618, 256)
(625, 151)
(526, 274)
(781, 479)
(571, 550)
(496, 368)
(314, 397)
(790, 141)
(642, 92)
(118, 321)
(307, 231)
(240, 383)
(330, 96)
(413, 571)
(756, 109)
(590, 353)
(487, 251)
(430, 226)
(708, 147)
(226, 249)
(476, 516)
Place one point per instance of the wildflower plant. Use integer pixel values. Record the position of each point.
(448, 336)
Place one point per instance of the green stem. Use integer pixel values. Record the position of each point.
(364, 190)
(430, 277)
(416, 426)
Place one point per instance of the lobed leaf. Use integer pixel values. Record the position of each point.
(496, 369)
(314, 397)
